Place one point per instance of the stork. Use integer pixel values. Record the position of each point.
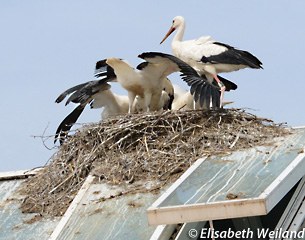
(99, 95)
(164, 102)
(83, 94)
(208, 56)
(184, 100)
(205, 93)
(146, 80)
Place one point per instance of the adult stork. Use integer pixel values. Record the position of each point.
(149, 78)
(208, 56)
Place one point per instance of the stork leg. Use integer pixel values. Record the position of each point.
(222, 88)
(147, 101)
(131, 97)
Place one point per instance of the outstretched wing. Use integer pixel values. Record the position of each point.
(67, 123)
(85, 94)
(204, 92)
(69, 91)
(82, 94)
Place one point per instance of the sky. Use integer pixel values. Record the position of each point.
(49, 46)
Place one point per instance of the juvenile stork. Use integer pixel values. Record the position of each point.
(149, 78)
(142, 83)
(184, 100)
(83, 94)
(207, 56)
(99, 95)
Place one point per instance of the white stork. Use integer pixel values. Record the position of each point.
(99, 95)
(83, 94)
(165, 103)
(157, 103)
(207, 56)
(184, 100)
(147, 80)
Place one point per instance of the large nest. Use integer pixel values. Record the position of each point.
(134, 150)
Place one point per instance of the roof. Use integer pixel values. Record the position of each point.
(97, 210)
(100, 210)
(15, 224)
(244, 183)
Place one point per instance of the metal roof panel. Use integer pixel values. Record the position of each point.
(16, 225)
(246, 178)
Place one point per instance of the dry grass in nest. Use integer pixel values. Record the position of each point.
(136, 149)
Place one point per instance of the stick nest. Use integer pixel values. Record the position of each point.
(142, 152)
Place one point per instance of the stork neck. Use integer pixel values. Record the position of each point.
(180, 32)
(107, 100)
(113, 104)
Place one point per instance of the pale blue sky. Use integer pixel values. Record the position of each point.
(48, 46)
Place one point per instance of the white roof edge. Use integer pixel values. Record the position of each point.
(77, 199)
(163, 232)
(285, 181)
(207, 211)
(19, 174)
(298, 127)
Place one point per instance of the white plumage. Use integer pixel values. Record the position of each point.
(207, 56)
(99, 95)
(146, 82)
(147, 85)
(139, 104)
(183, 100)
(149, 79)
(113, 104)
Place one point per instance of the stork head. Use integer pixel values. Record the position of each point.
(112, 61)
(177, 21)
(168, 88)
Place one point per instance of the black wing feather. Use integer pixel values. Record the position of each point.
(205, 97)
(102, 69)
(228, 84)
(199, 84)
(84, 95)
(233, 56)
(142, 65)
(69, 91)
(67, 124)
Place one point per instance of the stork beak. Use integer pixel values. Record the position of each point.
(168, 33)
